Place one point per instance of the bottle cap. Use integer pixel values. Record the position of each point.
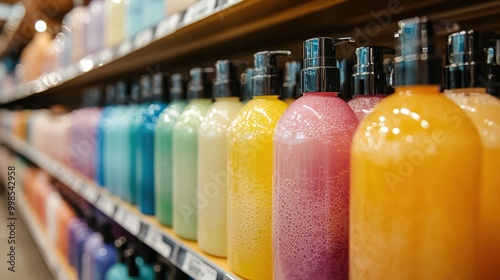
(266, 79)
(472, 55)
(369, 74)
(178, 87)
(121, 245)
(416, 61)
(201, 82)
(291, 85)
(133, 269)
(246, 83)
(159, 87)
(320, 72)
(122, 89)
(227, 78)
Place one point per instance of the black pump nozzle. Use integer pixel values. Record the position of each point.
(201, 82)
(110, 95)
(145, 91)
(471, 59)
(246, 83)
(121, 246)
(122, 89)
(291, 85)
(417, 62)
(135, 93)
(227, 78)
(159, 87)
(370, 75)
(178, 86)
(266, 79)
(133, 269)
(320, 72)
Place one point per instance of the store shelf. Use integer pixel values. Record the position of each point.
(58, 266)
(184, 254)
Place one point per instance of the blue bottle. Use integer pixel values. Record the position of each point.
(145, 143)
(105, 255)
(79, 232)
(86, 239)
(119, 270)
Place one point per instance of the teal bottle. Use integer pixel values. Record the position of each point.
(145, 143)
(185, 155)
(106, 113)
(164, 149)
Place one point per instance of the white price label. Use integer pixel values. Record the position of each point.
(106, 205)
(124, 48)
(90, 193)
(227, 3)
(128, 221)
(155, 240)
(143, 38)
(197, 269)
(167, 26)
(199, 10)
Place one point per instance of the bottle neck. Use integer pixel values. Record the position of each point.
(417, 89)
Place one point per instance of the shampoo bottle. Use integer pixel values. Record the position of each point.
(370, 81)
(164, 149)
(415, 170)
(185, 153)
(212, 157)
(472, 57)
(311, 173)
(249, 245)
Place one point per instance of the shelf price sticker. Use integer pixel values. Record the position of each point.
(155, 240)
(226, 3)
(199, 10)
(167, 26)
(197, 269)
(128, 221)
(143, 38)
(124, 48)
(106, 205)
(90, 194)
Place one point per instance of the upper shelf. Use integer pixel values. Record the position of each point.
(215, 28)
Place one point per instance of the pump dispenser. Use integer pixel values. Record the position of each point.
(163, 149)
(291, 86)
(415, 166)
(212, 157)
(145, 143)
(471, 60)
(250, 172)
(246, 83)
(311, 172)
(370, 80)
(185, 153)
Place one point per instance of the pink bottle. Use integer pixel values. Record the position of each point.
(370, 81)
(311, 173)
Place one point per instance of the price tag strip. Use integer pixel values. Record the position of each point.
(106, 205)
(128, 221)
(156, 241)
(143, 38)
(167, 26)
(198, 269)
(199, 10)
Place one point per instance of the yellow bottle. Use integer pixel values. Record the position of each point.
(250, 173)
(415, 171)
(467, 78)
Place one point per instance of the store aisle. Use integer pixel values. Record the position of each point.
(29, 262)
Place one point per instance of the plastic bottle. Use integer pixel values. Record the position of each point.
(472, 57)
(212, 157)
(103, 256)
(415, 168)
(145, 155)
(370, 81)
(103, 122)
(163, 149)
(311, 173)
(251, 170)
(119, 270)
(185, 153)
(291, 86)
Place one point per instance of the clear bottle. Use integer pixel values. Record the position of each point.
(164, 149)
(370, 81)
(415, 168)
(291, 85)
(311, 173)
(249, 208)
(212, 157)
(472, 57)
(185, 153)
(145, 159)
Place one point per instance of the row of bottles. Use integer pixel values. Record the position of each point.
(396, 187)
(87, 29)
(85, 237)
